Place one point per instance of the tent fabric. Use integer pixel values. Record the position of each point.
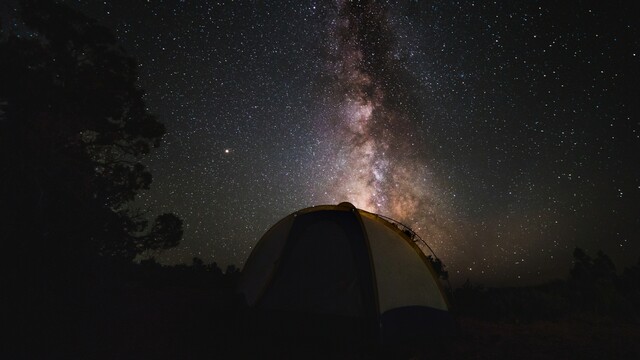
(327, 241)
(263, 259)
(343, 261)
(403, 278)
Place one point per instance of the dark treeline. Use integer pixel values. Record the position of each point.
(593, 291)
(593, 313)
(150, 310)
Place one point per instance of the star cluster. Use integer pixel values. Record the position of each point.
(505, 133)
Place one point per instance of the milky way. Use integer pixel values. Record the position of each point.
(375, 161)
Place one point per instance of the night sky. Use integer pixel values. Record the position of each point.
(504, 133)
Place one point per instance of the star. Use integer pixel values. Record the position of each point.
(480, 126)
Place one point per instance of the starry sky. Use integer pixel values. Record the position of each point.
(505, 133)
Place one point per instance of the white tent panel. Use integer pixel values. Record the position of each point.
(402, 277)
(261, 264)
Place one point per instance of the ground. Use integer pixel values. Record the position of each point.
(566, 339)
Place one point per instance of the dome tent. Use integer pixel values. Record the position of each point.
(348, 265)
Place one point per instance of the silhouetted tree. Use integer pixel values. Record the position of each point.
(215, 270)
(587, 269)
(629, 285)
(231, 270)
(197, 263)
(582, 264)
(73, 127)
(594, 284)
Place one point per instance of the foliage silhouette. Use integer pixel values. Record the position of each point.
(592, 292)
(73, 128)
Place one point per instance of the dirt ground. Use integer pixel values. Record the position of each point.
(567, 339)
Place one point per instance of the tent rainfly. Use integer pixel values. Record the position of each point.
(341, 262)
